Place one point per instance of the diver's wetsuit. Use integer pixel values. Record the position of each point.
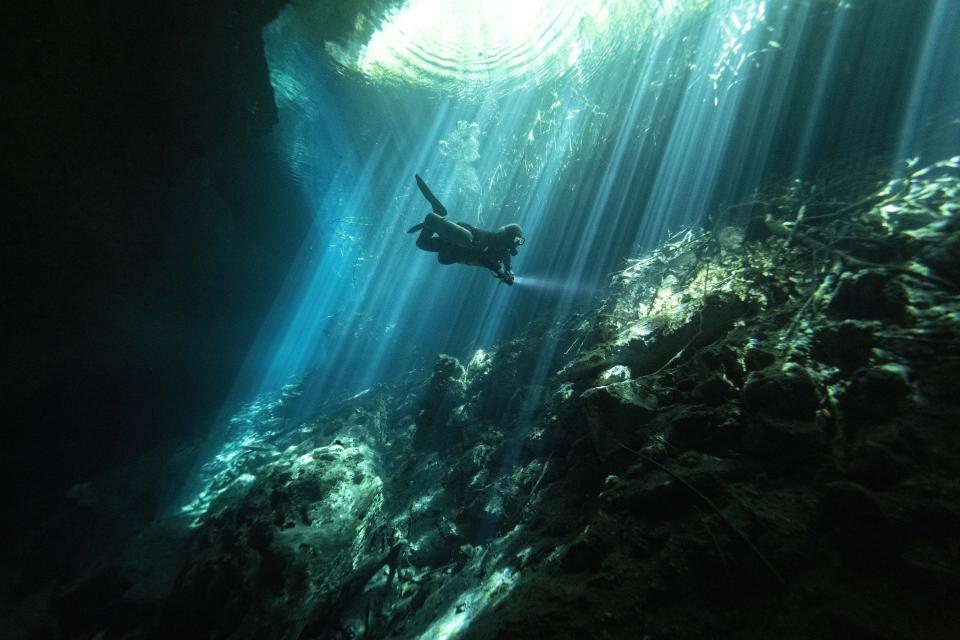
(481, 253)
(461, 243)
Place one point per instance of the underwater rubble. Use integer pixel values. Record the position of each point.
(756, 434)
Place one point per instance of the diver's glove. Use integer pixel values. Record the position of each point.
(505, 276)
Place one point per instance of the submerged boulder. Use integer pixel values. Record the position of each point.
(944, 256)
(616, 373)
(870, 295)
(268, 561)
(782, 404)
(511, 368)
(875, 393)
(715, 389)
(866, 526)
(587, 364)
(846, 344)
(782, 392)
(652, 492)
(616, 413)
(445, 392)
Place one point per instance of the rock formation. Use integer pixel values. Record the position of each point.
(752, 436)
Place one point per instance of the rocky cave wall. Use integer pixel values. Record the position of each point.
(754, 435)
(141, 254)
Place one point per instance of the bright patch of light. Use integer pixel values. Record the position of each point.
(733, 55)
(478, 44)
(470, 604)
(479, 357)
(451, 626)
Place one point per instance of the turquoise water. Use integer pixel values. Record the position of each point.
(601, 129)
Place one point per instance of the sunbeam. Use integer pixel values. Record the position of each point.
(419, 319)
(601, 136)
(673, 118)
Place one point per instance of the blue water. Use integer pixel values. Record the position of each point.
(597, 165)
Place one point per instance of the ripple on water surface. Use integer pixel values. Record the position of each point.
(466, 46)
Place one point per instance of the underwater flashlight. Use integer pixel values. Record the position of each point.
(506, 277)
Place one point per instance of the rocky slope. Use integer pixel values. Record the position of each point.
(754, 435)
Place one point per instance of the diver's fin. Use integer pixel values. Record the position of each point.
(438, 208)
(415, 228)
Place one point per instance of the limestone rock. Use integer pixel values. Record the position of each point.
(870, 295)
(617, 413)
(876, 393)
(651, 493)
(715, 390)
(616, 373)
(444, 392)
(943, 256)
(782, 392)
(846, 344)
(867, 527)
(270, 558)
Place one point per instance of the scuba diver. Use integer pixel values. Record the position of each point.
(461, 243)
